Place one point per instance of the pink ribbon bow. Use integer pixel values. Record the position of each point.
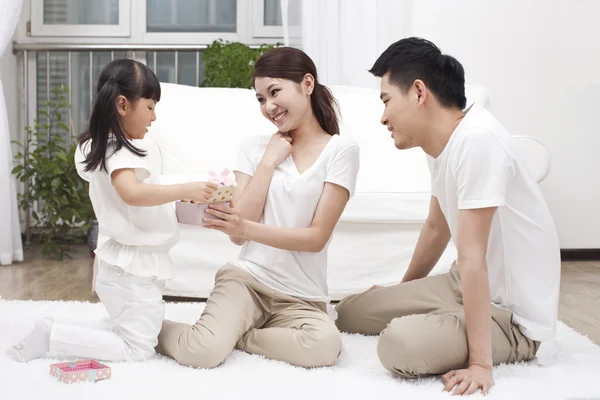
(224, 179)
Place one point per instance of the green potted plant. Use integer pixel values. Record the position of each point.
(45, 164)
(230, 64)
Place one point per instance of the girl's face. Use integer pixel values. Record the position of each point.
(284, 102)
(136, 117)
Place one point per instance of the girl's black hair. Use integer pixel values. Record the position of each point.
(127, 78)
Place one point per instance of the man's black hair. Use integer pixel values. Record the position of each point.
(415, 58)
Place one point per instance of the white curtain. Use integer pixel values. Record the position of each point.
(11, 248)
(345, 37)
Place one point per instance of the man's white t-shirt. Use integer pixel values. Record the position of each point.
(481, 167)
(291, 202)
(139, 237)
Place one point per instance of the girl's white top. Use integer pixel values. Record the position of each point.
(139, 238)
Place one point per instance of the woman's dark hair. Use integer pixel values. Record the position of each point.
(293, 64)
(127, 78)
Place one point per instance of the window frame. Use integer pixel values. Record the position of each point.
(140, 22)
(39, 29)
(260, 30)
(250, 28)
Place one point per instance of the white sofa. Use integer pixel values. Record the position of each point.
(199, 129)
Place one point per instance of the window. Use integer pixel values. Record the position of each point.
(109, 18)
(267, 18)
(191, 16)
(140, 22)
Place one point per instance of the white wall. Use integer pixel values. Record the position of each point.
(540, 60)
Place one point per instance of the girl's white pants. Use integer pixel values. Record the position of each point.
(136, 311)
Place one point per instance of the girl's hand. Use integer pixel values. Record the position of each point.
(199, 192)
(230, 222)
(279, 147)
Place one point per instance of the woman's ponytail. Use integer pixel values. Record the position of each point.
(325, 108)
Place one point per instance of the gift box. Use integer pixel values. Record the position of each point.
(80, 371)
(193, 213)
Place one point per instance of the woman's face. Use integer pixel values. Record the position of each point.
(283, 102)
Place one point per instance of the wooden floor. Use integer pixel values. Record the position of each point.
(38, 279)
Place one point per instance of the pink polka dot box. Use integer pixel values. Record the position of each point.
(80, 371)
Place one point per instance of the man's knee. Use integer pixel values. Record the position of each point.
(344, 314)
(398, 347)
(354, 315)
(421, 345)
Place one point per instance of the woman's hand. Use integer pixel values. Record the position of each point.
(230, 222)
(279, 147)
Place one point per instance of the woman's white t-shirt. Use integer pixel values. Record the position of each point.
(139, 237)
(291, 202)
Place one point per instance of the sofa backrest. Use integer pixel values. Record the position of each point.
(199, 129)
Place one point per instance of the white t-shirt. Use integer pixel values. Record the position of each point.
(139, 237)
(291, 202)
(480, 167)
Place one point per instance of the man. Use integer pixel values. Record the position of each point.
(483, 198)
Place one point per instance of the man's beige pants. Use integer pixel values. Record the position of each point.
(422, 326)
(242, 313)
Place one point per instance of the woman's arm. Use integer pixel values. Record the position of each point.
(251, 192)
(250, 195)
(313, 239)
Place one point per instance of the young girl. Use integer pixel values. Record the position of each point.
(134, 213)
(292, 189)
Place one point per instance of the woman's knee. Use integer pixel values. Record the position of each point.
(209, 355)
(192, 349)
(321, 346)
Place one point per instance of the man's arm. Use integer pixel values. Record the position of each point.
(472, 242)
(433, 239)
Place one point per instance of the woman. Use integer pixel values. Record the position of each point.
(292, 189)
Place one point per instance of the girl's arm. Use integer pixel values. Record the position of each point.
(135, 193)
(313, 239)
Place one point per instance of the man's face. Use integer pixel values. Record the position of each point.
(400, 113)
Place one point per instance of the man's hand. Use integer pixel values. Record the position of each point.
(469, 380)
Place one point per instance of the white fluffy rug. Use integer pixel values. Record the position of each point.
(566, 368)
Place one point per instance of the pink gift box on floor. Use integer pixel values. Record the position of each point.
(80, 371)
